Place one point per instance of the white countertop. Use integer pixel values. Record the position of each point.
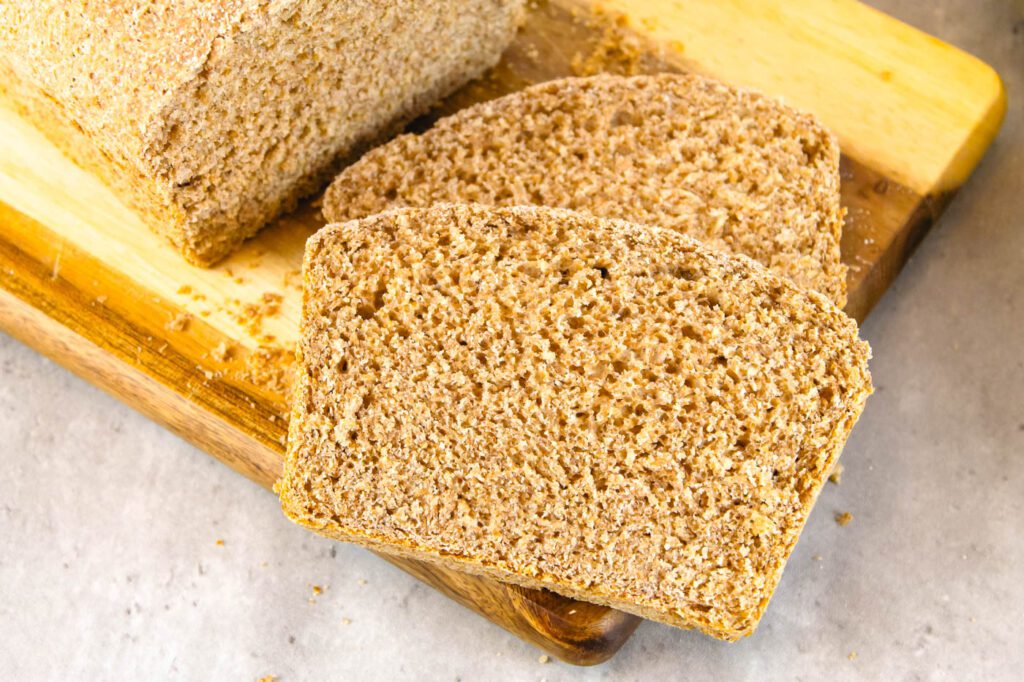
(111, 565)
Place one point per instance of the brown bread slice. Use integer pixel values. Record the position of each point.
(737, 170)
(613, 412)
(212, 117)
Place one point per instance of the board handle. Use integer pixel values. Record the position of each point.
(573, 631)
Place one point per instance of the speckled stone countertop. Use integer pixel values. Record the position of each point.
(127, 554)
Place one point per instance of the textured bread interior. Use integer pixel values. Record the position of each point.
(735, 169)
(611, 411)
(223, 114)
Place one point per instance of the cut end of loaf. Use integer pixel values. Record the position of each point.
(277, 105)
(609, 411)
(735, 169)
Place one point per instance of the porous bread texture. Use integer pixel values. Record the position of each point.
(212, 117)
(737, 170)
(610, 411)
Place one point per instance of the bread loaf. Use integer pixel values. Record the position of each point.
(211, 117)
(613, 412)
(735, 169)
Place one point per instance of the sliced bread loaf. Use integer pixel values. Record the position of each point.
(613, 412)
(211, 117)
(735, 169)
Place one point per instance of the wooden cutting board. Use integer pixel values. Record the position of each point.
(205, 352)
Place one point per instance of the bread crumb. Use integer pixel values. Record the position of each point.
(180, 322)
(844, 518)
(219, 543)
(361, 581)
(268, 678)
(544, 658)
(852, 656)
(268, 367)
(317, 589)
(346, 621)
(251, 316)
(837, 473)
(222, 352)
(293, 278)
(618, 51)
(649, 23)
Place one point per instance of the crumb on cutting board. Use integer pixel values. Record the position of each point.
(837, 473)
(223, 352)
(269, 367)
(843, 518)
(179, 322)
(252, 315)
(293, 278)
(618, 51)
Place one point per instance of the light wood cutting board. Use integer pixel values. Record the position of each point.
(84, 282)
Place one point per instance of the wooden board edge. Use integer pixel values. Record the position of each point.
(883, 273)
(977, 142)
(21, 319)
(978, 139)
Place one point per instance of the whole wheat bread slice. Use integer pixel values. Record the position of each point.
(735, 169)
(613, 412)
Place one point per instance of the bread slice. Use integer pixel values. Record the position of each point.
(613, 412)
(211, 117)
(735, 169)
